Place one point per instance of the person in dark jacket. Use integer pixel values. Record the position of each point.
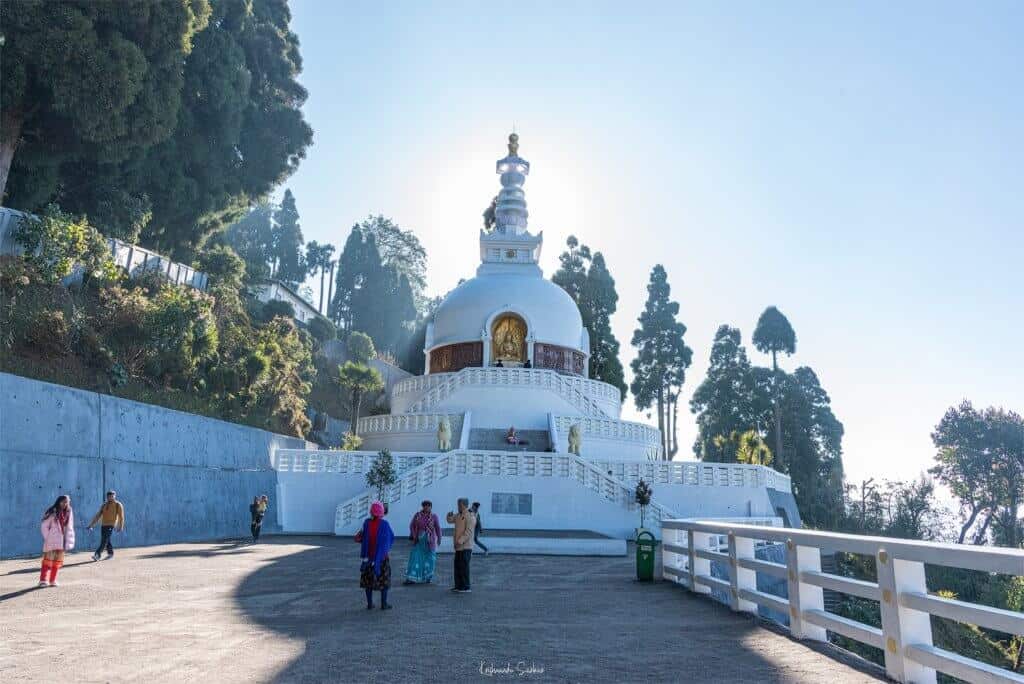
(478, 529)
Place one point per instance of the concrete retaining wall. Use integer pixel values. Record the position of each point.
(180, 476)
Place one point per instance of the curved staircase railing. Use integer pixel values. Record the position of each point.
(351, 512)
(519, 377)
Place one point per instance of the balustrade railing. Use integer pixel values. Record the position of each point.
(696, 473)
(905, 637)
(607, 428)
(409, 422)
(340, 462)
(568, 388)
(351, 512)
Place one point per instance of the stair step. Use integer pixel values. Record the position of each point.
(493, 439)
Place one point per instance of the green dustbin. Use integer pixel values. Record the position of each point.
(645, 544)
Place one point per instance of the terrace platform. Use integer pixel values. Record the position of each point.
(290, 610)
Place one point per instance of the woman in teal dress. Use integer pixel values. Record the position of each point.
(425, 533)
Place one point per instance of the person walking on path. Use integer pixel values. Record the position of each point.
(376, 538)
(478, 529)
(425, 533)
(256, 511)
(58, 530)
(111, 517)
(465, 523)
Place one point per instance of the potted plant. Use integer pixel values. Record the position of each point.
(642, 496)
(382, 474)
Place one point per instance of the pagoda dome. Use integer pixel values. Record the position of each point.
(470, 311)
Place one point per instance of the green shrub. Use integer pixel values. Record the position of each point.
(49, 333)
(360, 348)
(321, 329)
(56, 242)
(223, 266)
(275, 308)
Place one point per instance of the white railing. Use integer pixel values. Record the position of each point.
(594, 389)
(132, 258)
(607, 428)
(689, 547)
(696, 473)
(564, 386)
(340, 462)
(351, 512)
(409, 422)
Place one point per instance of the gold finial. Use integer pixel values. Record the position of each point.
(513, 145)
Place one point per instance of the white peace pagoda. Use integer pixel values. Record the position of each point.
(507, 416)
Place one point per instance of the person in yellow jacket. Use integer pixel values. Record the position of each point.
(111, 517)
(465, 523)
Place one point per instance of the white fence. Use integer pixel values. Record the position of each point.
(409, 422)
(905, 637)
(339, 462)
(132, 258)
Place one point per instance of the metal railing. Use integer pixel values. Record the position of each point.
(689, 548)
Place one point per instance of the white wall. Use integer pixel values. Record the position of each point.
(499, 407)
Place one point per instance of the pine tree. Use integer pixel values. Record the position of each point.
(318, 257)
(659, 368)
(252, 237)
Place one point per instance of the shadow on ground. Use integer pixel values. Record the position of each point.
(577, 619)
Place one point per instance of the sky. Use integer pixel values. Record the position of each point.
(858, 165)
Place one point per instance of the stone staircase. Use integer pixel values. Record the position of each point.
(491, 439)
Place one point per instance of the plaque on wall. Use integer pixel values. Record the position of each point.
(455, 357)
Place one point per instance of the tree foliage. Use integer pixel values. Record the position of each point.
(219, 129)
(736, 398)
(399, 250)
(774, 334)
(91, 80)
(980, 457)
(372, 296)
(585, 277)
(659, 368)
(358, 379)
(382, 474)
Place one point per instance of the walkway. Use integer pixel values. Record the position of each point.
(289, 610)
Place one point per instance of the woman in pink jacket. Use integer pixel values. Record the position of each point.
(58, 528)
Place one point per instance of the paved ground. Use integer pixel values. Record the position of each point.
(290, 610)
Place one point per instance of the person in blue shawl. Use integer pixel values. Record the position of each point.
(425, 533)
(375, 538)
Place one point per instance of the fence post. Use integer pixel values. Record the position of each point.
(741, 578)
(698, 566)
(803, 596)
(903, 626)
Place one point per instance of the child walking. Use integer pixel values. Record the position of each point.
(58, 530)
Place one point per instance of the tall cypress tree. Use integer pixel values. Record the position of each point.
(585, 277)
(772, 335)
(659, 368)
(726, 402)
(291, 266)
(600, 300)
(347, 280)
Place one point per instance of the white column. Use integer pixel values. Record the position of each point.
(741, 578)
(803, 596)
(698, 566)
(486, 339)
(902, 626)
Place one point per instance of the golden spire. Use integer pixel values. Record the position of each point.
(513, 145)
